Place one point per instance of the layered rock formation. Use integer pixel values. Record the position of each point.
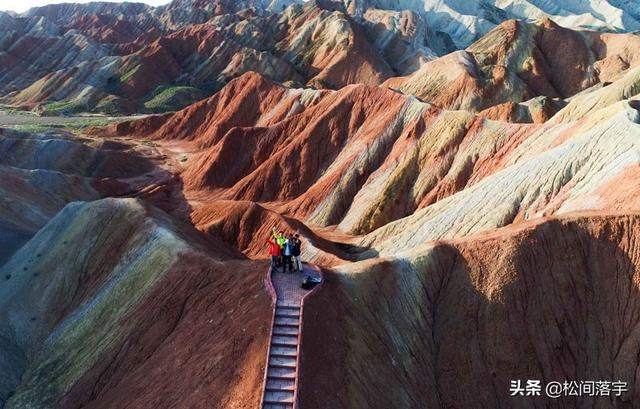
(41, 173)
(394, 158)
(451, 324)
(132, 58)
(458, 23)
(75, 59)
(517, 62)
(98, 293)
(112, 304)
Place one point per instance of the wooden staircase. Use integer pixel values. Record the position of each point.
(281, 375)
(281, 379)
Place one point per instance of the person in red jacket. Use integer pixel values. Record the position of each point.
(274, 252)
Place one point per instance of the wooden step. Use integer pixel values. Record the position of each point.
(280, 313)
(284, 340)
(284, 330)
(288, 320)
(287, 304)
(275, 372)
(278, 406)
(288, 315)
(278, 397)
(288, 311)
(281, 384)
(282, 361)
(284, 351)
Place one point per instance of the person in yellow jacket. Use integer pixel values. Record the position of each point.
(281, 239)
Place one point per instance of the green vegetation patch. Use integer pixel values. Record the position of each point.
(173, 98)
(129, 74)
(65, 107)
(109, 105)
(74, 125)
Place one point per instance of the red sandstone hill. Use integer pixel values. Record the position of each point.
(104, 292)
(363, 157)
(107, 28)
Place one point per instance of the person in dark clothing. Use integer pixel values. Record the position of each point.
(297, 247)
(280, 238)
(287, 254)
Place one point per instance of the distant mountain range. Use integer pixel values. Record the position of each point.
(120, 58)
(462, 21)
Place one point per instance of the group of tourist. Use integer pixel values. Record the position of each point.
(285, 251)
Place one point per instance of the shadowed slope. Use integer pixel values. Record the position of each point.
(600, 98)
(42, 172)
(98, 306)
(452, 323)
